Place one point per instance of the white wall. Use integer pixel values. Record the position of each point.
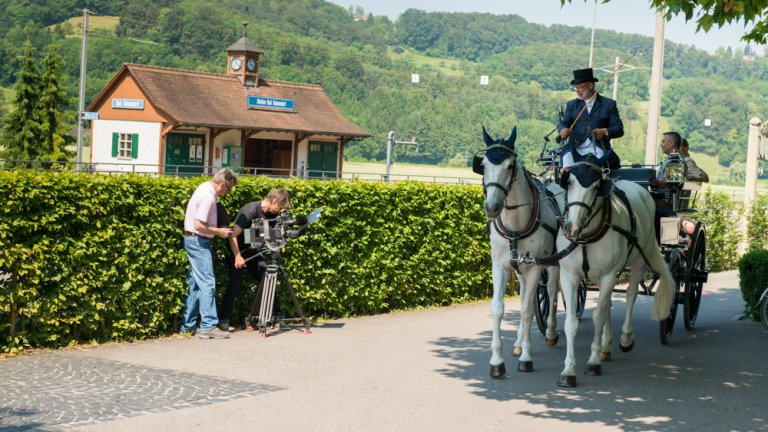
(303, 149)
(149, 146)
(230, 138)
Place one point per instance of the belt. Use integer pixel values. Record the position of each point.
(191, 234)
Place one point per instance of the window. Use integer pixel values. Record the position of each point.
(125, 145)
(124, 142)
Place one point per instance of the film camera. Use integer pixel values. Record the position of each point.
(268, 236)
(273, 234)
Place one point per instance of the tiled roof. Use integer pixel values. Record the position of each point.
(243, 44)
(215, 100)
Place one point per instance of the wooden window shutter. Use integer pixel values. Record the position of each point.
(134, 146)
(115, 138)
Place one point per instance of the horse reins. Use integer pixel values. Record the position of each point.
(606, 223)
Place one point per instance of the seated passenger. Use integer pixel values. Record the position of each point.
(695, 174)
(671, 142)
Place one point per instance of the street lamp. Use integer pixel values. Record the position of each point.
(391, 143)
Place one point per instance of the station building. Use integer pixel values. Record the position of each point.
(168, 121)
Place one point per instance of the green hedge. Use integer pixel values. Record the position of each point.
(757, 227)
(91, 257)
(719, 215)
(94, 257)
(753, 279)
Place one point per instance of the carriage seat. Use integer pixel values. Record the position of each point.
(641, 176)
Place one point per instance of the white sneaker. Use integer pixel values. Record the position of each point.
(213, 333)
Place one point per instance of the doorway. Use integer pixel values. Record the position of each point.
(184, 153)
(265, 156)
(322, 159)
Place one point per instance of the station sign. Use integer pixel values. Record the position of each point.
(270, 103)
(135, 104)
(89, 115)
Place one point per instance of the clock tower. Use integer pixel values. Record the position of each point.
(243, 60)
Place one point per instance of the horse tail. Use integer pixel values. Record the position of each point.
(665, 292)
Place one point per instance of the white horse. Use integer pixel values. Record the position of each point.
(523, 221)
(612, 223)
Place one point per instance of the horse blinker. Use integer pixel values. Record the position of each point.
(477, 165)
(605, 187)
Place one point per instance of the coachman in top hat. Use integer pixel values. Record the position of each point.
(589, 121)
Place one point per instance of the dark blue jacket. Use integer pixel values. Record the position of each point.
(605, 114)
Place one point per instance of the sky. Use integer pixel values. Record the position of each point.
(626, 16)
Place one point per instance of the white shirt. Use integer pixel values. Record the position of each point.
(202, 207)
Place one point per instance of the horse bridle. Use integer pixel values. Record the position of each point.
(509, 151)
(591, 207)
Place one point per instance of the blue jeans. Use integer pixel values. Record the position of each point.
(202, 285)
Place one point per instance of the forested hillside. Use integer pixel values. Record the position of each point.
(366, 66)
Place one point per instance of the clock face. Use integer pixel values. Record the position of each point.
(237, 63)
(251, 65)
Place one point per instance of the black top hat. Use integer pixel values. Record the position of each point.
(582, 76)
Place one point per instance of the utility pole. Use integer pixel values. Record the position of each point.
(81, 100)
(654, 106)
(592, 41)
(391, 143)
(616, 81)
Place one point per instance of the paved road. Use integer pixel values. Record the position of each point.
(415, 371)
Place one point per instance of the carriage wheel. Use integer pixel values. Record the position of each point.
(542, 302)
(666, 326)
(695, 276)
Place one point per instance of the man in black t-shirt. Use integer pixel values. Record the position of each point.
(276, 201)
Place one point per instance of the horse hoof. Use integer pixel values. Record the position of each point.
(498, 371)
(552, 342)
(627, 348)
(594, 370)
(517, 351)
(566, 381)
(605, 356)
(525, 366)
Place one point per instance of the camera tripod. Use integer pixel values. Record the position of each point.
(265, 298)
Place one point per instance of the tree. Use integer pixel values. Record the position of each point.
(717, 12)
(22, 126)
(54, 118)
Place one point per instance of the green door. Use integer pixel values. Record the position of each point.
(184, 153)
(322, 159)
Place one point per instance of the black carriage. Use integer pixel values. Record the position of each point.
(685, 254)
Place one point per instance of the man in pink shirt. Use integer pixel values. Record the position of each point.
(200, 225)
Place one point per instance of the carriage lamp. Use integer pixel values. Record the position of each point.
(675, 169)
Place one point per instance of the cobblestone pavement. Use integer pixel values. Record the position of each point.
(60, 391)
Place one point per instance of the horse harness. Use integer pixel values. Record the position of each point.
(534, 223)
(605, 224)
